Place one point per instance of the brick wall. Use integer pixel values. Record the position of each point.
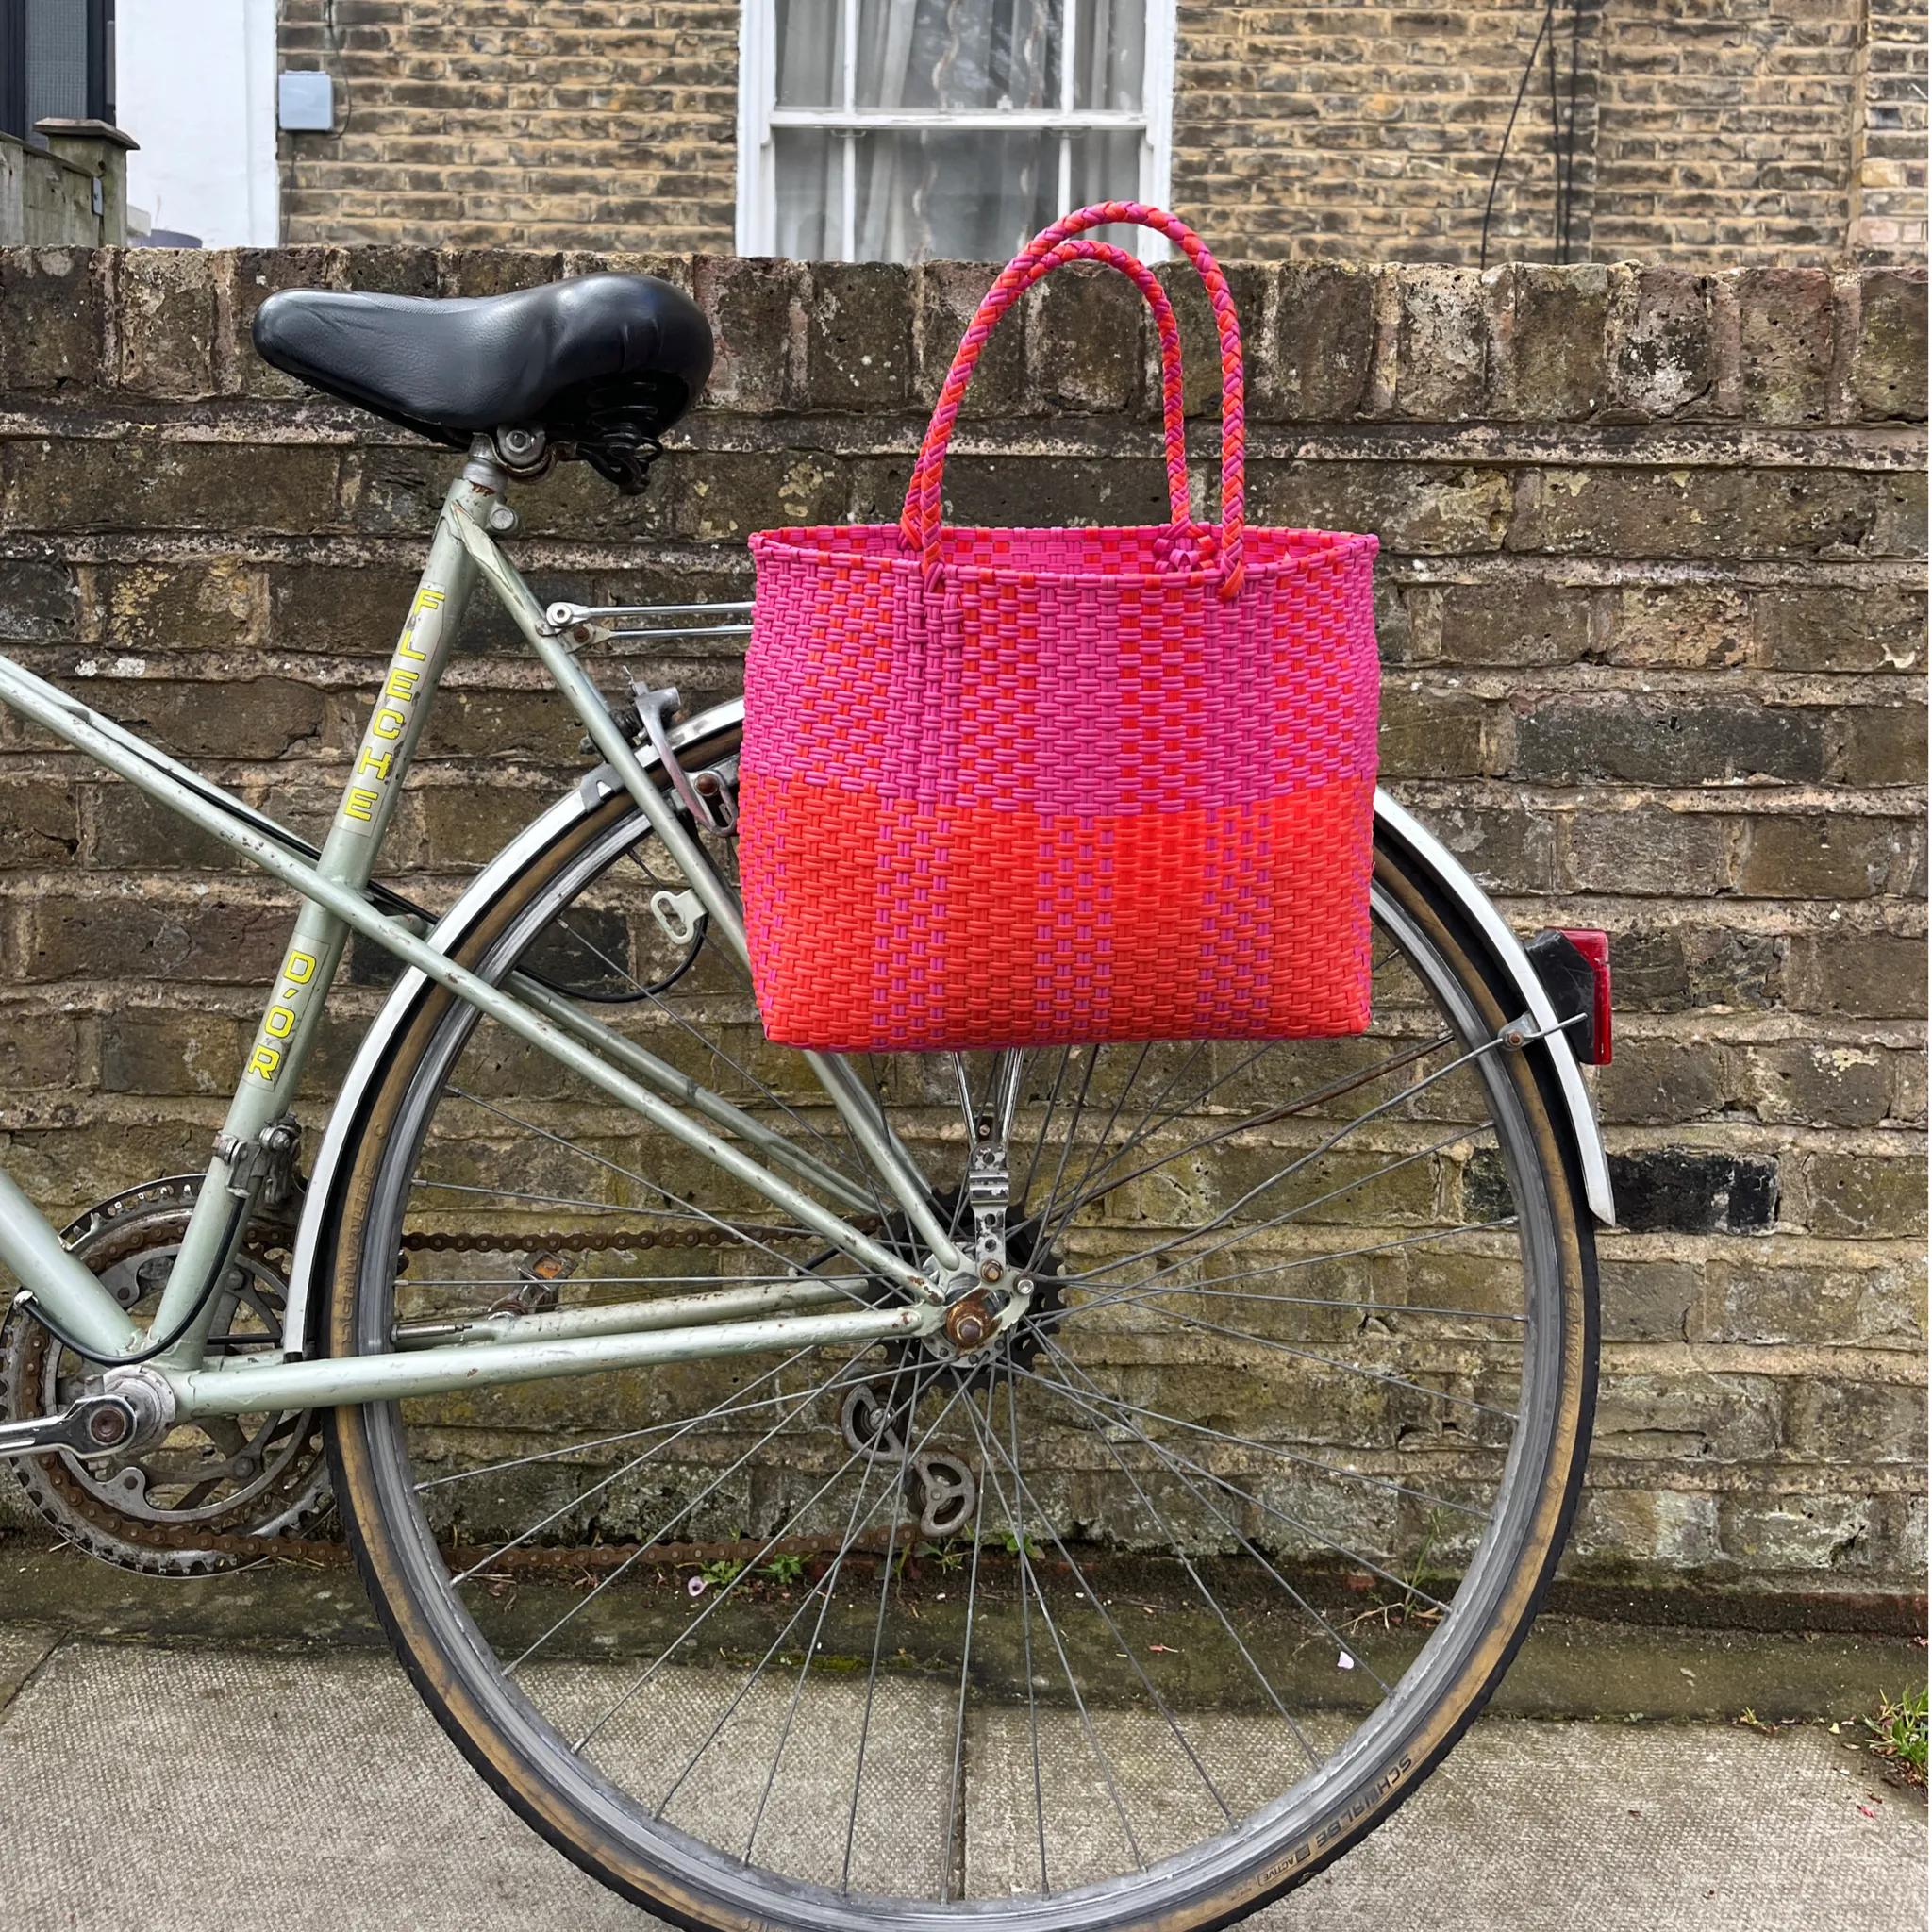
(514, 123)
(1726, 130)
(1889, 135)
(1349, 132)
(1713, 133)
(1653, 623)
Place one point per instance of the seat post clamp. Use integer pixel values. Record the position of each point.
(484, 468)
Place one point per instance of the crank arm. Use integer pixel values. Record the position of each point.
(93, 1425)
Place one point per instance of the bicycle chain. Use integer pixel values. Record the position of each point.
(559, 1243)
(628, 1240)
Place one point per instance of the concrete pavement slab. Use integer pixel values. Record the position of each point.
(1613, 1827)
(153, 1790)
(1597, 1827)
(1110, 1773)
(193, 1790)
(23, 1646)
(687, 1741)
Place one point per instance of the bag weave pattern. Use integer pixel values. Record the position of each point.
(1016, 788)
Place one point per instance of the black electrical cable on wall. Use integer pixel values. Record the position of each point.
(1568, 205)
(1562, 130)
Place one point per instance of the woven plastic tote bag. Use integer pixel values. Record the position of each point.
(1015, 787)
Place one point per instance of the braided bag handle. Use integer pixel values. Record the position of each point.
(919, 522)
(1174, 422)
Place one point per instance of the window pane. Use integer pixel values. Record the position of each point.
(811, 58)
(984, 54)
(56, 61)
(966, 198)
(807, 165)
(979, 196)
(1107, 167)
(1109, 54)
(963, 197)
(980, 53)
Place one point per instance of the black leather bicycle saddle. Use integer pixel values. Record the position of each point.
(602, 364)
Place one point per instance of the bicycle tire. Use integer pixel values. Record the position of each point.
(690, 1884)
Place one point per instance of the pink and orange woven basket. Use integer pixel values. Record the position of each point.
(1022, 788)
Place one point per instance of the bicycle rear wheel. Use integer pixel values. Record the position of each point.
(1143, 1621)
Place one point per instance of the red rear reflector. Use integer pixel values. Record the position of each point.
(1596, 947)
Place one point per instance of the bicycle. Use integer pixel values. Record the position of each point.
(1084, 1488)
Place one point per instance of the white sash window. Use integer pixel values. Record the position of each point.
(899, 130)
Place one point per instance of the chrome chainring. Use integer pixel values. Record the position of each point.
(188, 1505)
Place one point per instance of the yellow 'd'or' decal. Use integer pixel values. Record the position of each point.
(292, 989)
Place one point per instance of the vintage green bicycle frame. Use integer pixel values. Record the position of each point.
(335, 886)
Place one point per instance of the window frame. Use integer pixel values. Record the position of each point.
(759, 114)
(17, 100)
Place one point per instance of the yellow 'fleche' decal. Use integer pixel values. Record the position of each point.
(394, 707)
(278, 1022)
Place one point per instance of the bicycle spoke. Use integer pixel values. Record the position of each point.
(1127, 1298)
(1079, 1187)
(1295, 1213)
(744, 1690)
(1341, 1133)
(1327, 1258)
(1029, 1583)
(1327, 1543)
(832, 1582)
(717, 1052)
(1329, 1361)
(1150, 1125)
(576, 1503)
(1296, 1330)
(644, 1181)
(724, 1593)
(1092, 1597)
(1287, 1455)
(421, 1183)
(605, 1582)
(1020, 1554)
(644, 1679)
(1179, 1467)
(1213, 1603)
(956, 1788)
(1334, 1091)
(1025, 1191)
(617, 1281)
(730, 1407)
(1072, 1129)
(828, 1583)
(872, 1676)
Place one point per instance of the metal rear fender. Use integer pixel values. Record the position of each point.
(1512, 964)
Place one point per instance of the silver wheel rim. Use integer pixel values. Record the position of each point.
(1204, 1868)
